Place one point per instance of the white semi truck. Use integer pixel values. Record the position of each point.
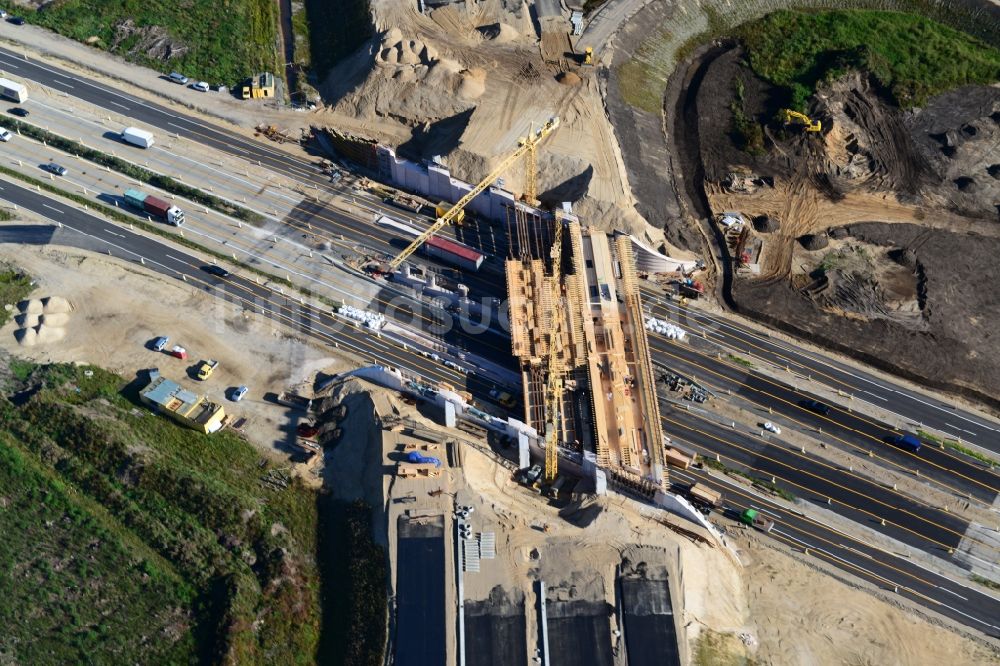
(13, 90)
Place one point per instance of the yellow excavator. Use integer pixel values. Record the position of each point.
(795, 118)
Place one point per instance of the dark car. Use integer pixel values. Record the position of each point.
(16, 20)
(816, 406)
(216, 270)
(57, 169)
(18, 111)
(905, 441)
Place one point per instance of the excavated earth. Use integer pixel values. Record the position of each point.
(921, 188)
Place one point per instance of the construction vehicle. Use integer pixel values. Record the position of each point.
(790, 117)
(704, 497)
(206, 368)
(526, 147)
(754, 519)
(458, 219)
(294, 400)
(588, 56)
(273, 133)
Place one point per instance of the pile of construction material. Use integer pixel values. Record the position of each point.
(372, 320)
(666, 329)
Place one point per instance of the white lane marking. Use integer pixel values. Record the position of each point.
(115, 234)
(121, 105)
(168, 256)
(62, 83)
(61, 212)
(953, 592)
(875, 395)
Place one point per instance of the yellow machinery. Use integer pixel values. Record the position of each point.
(588, 55)
(442, 209)
(554, 380)
(794, 117)
(526, 146)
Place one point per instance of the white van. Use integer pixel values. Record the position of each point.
(5, 134)
(177, 77)
(137, 137)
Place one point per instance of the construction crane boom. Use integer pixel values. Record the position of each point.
(810, 125)
(525, 145)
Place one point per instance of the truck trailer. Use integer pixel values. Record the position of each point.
(137, 137)
(13, 90)
(154, 206)
(450, 252)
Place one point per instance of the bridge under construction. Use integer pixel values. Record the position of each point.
(578, 331)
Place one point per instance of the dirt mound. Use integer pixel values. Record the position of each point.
(814, 242)
(473, 84)
(766, 224)
(41, 320)
(499, 32)
(569, 79)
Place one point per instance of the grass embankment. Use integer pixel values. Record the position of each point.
(764, 484)
(128, 539)
(911, 57)
(14, 287)
(220, 41)
(954, 445)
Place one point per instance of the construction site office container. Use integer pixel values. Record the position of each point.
(453, 253)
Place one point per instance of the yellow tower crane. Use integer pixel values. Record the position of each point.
(526, 145)
(554, 380)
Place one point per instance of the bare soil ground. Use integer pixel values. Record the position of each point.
(118, 309)
(799, 615)
(465, 81)
(906, 183)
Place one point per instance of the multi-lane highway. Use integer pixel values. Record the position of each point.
(911, 405)
(907, 520)
(891, 573)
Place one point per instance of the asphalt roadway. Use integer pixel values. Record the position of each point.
(914, 407)
(84, 230)
(956, 473)
(893, 574)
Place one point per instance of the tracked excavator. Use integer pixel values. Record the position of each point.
(795, 118)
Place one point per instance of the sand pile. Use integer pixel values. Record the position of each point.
(473, 83)
(406, 59)
(569, 79)
(41, 320)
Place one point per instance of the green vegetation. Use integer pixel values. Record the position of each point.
(355, 627)
(131, 170)
(643, 77)
(336, 30)
(911, 57)
(985, 582)
(765, 484)
(954, 445)
(746, 363)
(220, 41)
(720, 649)
(128, 539)
(747, 132)
(6, 215)
(14, 287)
